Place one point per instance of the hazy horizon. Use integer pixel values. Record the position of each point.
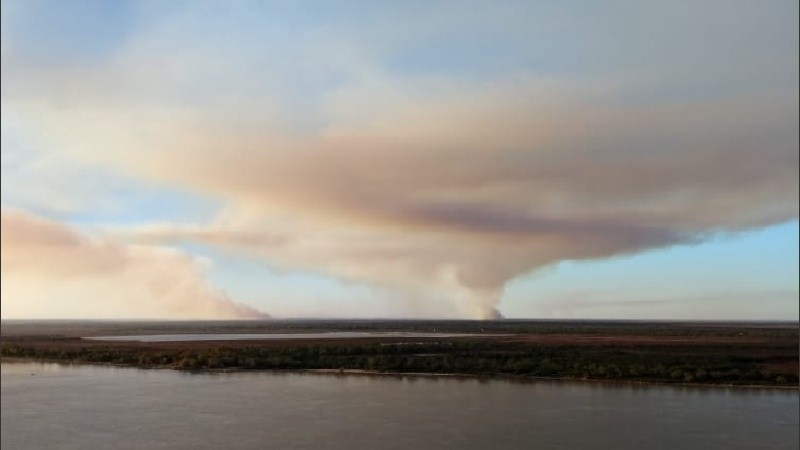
(402, 319)
(360, 160)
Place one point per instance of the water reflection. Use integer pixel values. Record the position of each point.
(282, 336)
(110, 407)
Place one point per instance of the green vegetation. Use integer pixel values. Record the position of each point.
(700, 352)
(712, 363)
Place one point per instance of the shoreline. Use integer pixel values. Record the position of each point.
(531, 379)
(369, 373)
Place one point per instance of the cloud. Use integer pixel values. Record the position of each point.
(710, 305)
(329, 161)
(50, 270)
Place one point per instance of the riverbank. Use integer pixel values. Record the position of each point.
(675, 354)
(372, 373)
(522, 379)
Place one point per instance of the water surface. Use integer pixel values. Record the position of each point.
(262, 336)
(83, 407)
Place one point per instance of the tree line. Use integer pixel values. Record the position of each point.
(700, 364)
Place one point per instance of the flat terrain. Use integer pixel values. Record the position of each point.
(763, 354)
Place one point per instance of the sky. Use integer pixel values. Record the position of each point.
(475, 160)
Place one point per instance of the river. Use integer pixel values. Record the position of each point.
(85, 406)
(280, 336)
